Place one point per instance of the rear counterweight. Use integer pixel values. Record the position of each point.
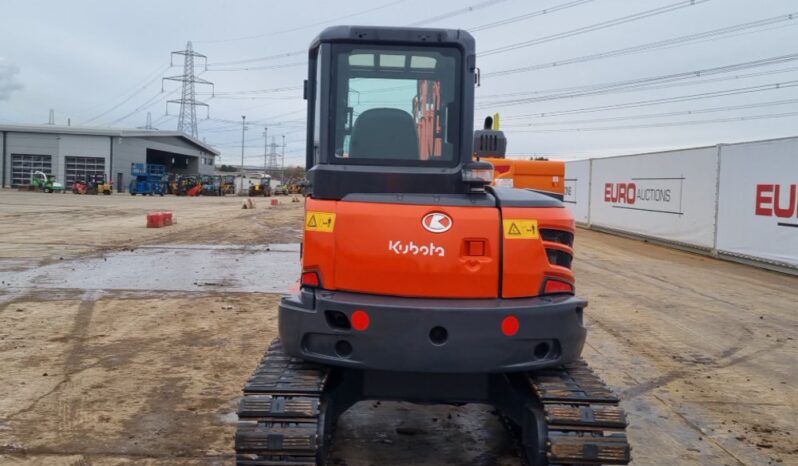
(433, 335)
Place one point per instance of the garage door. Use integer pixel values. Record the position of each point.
(81, 168)
(23, 166)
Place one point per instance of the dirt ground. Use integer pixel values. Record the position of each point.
(703, 352)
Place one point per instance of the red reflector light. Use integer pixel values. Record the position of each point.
(310, 279)
(510, 325)
(557, 286)
(501, 168)
(360, 320)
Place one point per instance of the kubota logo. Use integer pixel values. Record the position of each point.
(437, 222)
(413, 249)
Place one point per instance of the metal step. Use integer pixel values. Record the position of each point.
(277, 437)
(278, 406)
(564, 416)
(588, 449)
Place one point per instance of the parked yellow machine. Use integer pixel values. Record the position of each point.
(262, 188)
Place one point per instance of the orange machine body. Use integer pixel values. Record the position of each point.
(540, 175)
(484, 252)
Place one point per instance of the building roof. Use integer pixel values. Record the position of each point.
(115, 132)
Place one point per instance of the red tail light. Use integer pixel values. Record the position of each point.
(311, 279)
(510, 325)
(554, 286)
(360, 320)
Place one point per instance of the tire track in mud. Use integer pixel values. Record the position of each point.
(76, 336)
(695, 335)
(655, 282)
(642, 388)
(80, 329)
(723, 271)
(670, 340)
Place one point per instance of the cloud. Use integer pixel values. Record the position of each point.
(8, 80)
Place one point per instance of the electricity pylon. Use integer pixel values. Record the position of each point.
(187, 120)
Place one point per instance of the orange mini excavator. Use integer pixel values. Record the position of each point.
(544, 176)
(420, 281)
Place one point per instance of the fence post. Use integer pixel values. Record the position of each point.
(714, 250)
(589, 191)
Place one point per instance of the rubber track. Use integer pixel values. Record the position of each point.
(586, 425)
(279, 414)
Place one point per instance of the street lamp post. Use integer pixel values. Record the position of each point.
(243, 128)
(282, 163)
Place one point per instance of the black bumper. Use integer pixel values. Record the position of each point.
(400, 334)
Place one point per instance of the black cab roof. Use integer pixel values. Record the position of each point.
(397, 35)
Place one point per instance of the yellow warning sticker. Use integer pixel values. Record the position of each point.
(320, 221)
(521, 229)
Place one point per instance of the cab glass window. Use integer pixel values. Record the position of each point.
(396, 105)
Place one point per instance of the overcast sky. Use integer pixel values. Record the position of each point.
(100, 62)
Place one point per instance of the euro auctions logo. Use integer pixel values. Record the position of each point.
(663, 195)
(625, 193)
(777, 200)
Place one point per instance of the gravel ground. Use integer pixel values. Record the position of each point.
(702, 351)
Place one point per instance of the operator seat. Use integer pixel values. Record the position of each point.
(384, 133)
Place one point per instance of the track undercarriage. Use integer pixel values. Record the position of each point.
(563, 415)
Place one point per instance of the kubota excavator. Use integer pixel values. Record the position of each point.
(420, 281)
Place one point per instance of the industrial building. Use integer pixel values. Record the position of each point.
(71, 153)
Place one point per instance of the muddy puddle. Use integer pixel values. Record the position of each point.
(269, 268)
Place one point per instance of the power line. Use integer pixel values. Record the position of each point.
(148, 103)
(228, 128)
(645, 103)
(663, 125)
(243, 97)
(263, 67)
(651, 83)
(526, 16)
(162, 119)
(266, 58)
(657, 79)
(267, 120)
(254, 91)
(715, 33)
(139, 89)
(160, 96)
(238, 142)
(595, 27)
(658, 115)
(457, 12)
(307, 26)
(449, 14)
(233, 143)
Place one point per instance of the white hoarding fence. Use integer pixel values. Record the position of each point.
(577, 189)
(738, 201)
(758, 202)
(665, 195)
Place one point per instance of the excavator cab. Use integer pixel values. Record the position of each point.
(388, 111)
(420, 281)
